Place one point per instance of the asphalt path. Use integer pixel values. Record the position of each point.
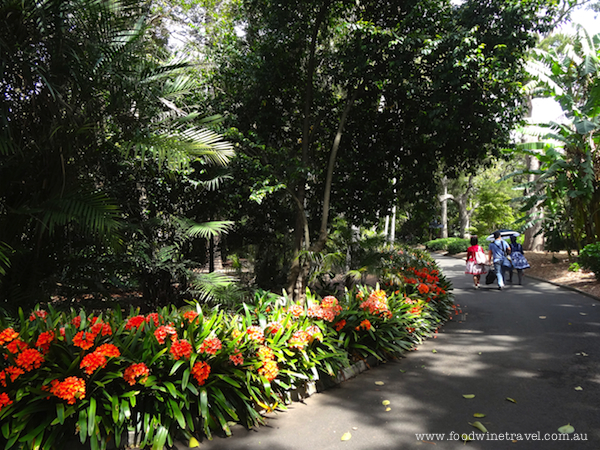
(537, 344)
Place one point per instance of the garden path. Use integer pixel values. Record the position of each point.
(534, 343)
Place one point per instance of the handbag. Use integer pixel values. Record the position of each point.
(480, 257)
(490, 277)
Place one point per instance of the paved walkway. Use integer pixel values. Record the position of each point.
(534, 343)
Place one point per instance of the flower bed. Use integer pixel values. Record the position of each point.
(179, 374)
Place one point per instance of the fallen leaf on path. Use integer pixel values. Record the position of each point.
(478, 415)
(355, 428)
(193, 443)
(477, 424)
(385, 402)
(402, 371)
(346, 436)
(388, 409)
(379, 383)
(434, 351)
(465, 437)
(469, 395)
(511, 399)
(566, 429)
(583, 314)
(542, 317)
(578, 388)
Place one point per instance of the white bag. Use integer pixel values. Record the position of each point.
(480, 257)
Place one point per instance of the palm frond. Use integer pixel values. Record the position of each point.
(204, 230)
(5, 252)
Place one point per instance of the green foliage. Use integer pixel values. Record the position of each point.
(191, 372)
(574, 267)
(589, 258)
(452, 245)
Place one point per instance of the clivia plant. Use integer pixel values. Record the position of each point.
(107, 379)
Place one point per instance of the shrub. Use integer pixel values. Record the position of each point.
(452, 245)
(458, 246)
(188, 373)
(589, 258)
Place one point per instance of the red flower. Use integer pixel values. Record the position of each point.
(201, 371)
(190, 315)
(76, 321)
(296, 310)
(44, 340)
(181, 349)
(90, 363)
(237, 359)
(364, 325)
(162, 332)
(109, 350)
(135, 322)
(153, 318)
(273, 327)
(40, 313)
(299, 340)
(30, 359)
(16, 346)
(101, 327)
(339, 325)
(135, 371)
(84, 340)
(210, 346)
(13, 373)
(4, 400)
(7, 335)
(70, 389)
(264, 353)
(423, 288)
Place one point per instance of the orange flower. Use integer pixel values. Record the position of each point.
(153, 318)
(134, 371)
(264, 353)
(70, 389)
(338, 326)
(29, 359)
(210, 346)
(190, 315)
(76, 321)
(423, 288)
(269, 370)
(17, 346)
(415, 310)
(200, 371)
(7, 335)
(40, 313)
(13, 373)
(299, 340)
(181, 349)
(237, 359)
(101, 327)
(84, 340)
(4, 400)
(135, 322)
(273, 327)
(90, 363)
(44, 340)
(109, 350)
(162, 332)
(296, 310)
(364, 325)
(256, 334)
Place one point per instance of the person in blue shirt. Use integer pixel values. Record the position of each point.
(497, 254)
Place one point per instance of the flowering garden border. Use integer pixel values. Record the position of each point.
(183, 374)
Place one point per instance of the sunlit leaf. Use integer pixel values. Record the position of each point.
(566, 429)
(477, 424)
(388, 409)
(583, 314)
(511, 399)
(578, 388)
(379, 383)
(542, 317)
(346, 436)
(193, 443)
(434, 351)
(478, 415)
(469, 395)
(385, 402)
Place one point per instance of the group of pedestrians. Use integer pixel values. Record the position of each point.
(501, 258)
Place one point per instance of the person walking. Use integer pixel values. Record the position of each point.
(499, 250)
(475, 261)
(519, 261)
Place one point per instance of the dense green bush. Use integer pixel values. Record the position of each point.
(452, 245)
(589, 258)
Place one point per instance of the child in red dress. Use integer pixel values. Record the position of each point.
(473, 268)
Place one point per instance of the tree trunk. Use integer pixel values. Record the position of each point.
(444, 207)
(533, 242)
